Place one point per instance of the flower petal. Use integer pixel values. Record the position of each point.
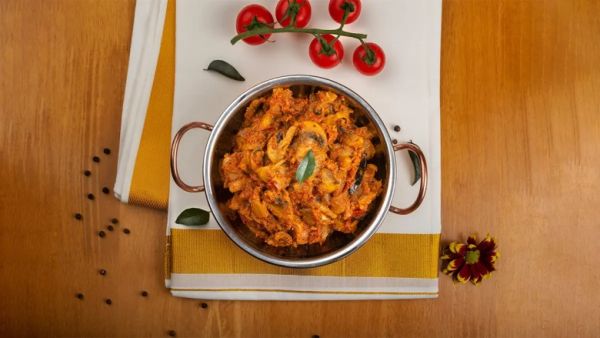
(479, 269)
(449, 253)
(452, 247)
(457, 248)
(472, 239)
(487, 244)
(455, 264)
(487, 262)
(476, 280)
(492, 256)
(464, 274)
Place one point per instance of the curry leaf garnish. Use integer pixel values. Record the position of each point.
(306, 167)
(225, 69)
(359, 176)
(193, 217)
(416, 165)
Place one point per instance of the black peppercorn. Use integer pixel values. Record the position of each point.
(110, 228)
(114, 221)
(101, 233)
(144, 293)
(91, 196)
(361, 121)
(204, 305)
(397, 128)
(108, 301)
(87, 173)
(126, 231)
(172, 333)
(96, 159)
(79, 296)
(105, 190)
(102, 272)
(78, 216)
(106, 151)
(394, 141)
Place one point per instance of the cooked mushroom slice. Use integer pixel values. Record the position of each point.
(259, 209)
(328, 181)
(275, 175)
(279, 143)
(280, 238)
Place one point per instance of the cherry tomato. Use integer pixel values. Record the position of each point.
(324, 55)
(338, 7)
(287, 8)
(369, 62)
(253, 16)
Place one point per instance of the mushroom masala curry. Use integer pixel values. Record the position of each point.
(278, 132)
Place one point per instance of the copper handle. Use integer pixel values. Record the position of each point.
(175, 150)
(423, 188)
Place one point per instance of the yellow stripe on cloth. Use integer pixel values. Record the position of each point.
(384, 255)
(150, 181)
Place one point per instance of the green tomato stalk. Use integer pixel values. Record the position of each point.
(264, 30)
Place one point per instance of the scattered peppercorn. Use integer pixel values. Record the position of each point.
(126, 231)
(102, 272)
(144, 293)
(397, 128)
(78, 216)
(110, 228)
(87, 172)
(106, 151)
(96, 159)
(105, 190)
(394, 141)
(172, 333)
(108, 301)
(204, 305)
(114, 221)
(101, 233)
(91, 196)
(79, 295)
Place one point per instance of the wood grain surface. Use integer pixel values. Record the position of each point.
(520, 158)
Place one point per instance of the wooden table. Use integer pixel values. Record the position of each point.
(521, 160)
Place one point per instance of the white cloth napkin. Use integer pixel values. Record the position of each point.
(143, 56)
(406, 93)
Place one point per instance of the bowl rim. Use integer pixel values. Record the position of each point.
(308, 262)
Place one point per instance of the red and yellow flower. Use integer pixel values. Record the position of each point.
(470, 261)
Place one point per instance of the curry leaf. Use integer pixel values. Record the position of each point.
(416, 165)
(359, 176)
(193, 216)
(306, 167)
(225, 69)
